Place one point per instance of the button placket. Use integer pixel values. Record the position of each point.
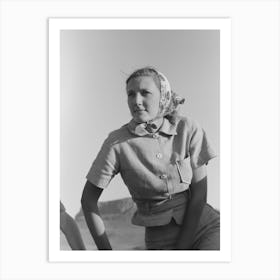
(169, 187)
(164, 177)
(159, 155)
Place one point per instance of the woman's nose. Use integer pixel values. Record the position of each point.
(138, 98)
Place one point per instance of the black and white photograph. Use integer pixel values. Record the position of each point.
(140, 139)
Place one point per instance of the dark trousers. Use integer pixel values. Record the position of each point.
(207, 236)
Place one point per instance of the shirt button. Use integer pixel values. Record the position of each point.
(163, 176)
(159, 155)
(155, 136)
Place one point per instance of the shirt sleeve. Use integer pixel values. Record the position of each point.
(105, 166)
(200, 149)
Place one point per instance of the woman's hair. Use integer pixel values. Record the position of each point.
(152, 72)
(145, 72)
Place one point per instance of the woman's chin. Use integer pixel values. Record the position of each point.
(141, 119)
(138, 120)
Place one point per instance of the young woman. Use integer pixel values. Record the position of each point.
(162, 159)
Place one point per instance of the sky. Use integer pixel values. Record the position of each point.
(94, 67)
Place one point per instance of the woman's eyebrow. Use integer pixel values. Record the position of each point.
(130, 91)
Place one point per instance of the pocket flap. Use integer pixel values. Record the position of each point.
(185, 170)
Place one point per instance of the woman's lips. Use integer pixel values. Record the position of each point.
(139, 110)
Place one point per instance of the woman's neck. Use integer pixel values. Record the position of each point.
(158, 122)
(154, 125)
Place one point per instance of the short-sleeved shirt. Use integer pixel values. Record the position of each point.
(154, 166)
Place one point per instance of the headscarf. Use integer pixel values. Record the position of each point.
(169, 100)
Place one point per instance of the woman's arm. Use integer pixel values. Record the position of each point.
(198, 189)
(89, 199)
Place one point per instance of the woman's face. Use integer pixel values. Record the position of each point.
(143, 97)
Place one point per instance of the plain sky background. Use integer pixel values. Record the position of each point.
(94, 67)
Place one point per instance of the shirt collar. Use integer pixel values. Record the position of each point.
(140, 129)
(168, 128)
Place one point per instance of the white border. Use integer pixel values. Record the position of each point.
(55, 25)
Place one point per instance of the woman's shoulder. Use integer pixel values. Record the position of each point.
(187, 122)
(118, 135)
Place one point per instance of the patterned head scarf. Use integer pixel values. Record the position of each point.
(169, 100)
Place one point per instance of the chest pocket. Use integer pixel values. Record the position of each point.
(185, 170)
